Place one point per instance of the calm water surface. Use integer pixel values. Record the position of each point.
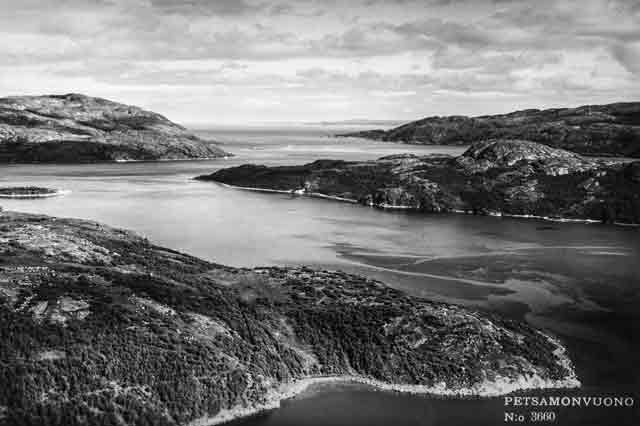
(578, 281)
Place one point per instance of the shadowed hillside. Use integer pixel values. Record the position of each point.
(99, 326)
(495, 176)
(76, 128)
(601, 130)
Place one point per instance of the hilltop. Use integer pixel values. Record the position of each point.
(597, 130)
(76, 128)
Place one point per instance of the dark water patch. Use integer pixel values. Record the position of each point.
(344, 405)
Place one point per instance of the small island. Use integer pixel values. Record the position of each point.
(100, 326)
(493, 177)
(28, 192)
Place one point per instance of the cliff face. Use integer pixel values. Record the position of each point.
(606, 130)
(505, 176)
(98, 326)
(78, 128)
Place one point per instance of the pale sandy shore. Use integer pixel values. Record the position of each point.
(488, 388)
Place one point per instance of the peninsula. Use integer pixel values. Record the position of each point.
(100, 326)
(598, 130)
(28, 192)
(501, 176)
(76, 128)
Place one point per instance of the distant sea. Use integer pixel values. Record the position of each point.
(580, 282)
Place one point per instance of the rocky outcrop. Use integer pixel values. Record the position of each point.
(27, 192)
(99, 326)
(77, 128)
(491, 154)
(492, 177)
(602, 130)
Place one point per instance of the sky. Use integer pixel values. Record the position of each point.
(241, 61)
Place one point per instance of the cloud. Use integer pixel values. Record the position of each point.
(496, 62)
(381, 57)
(629, 56)
(393, 94)
(442, 31)
(206, 7)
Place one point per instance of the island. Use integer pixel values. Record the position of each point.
(101, 326)
(597, 130)
(28, 192)
(75, 128)
(498, 177)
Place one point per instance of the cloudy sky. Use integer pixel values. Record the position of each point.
(233, 61)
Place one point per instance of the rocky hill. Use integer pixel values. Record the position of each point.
(599, 130)
(500, 176)
(77, 128)
(99, 326)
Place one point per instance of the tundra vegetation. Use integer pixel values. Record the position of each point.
(75, 128)
(602, 130)
(500, 176)
(100, 326)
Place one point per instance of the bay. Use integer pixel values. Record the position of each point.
(579, 281)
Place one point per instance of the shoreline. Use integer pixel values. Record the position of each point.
(486, 389)
(290, 192)
(56, 193)
(303, 193)
(120, 161)
(295, 388)
(164, 160)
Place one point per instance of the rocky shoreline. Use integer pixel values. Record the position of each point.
(487, 390)
(390, 207)
(30, 192)
(146, 333)
(497, 177)
(291, 390)
(291, 192)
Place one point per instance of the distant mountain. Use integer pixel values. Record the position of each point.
(500, 176)
(605, 130)
(77, 128)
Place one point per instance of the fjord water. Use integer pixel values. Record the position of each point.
(578, 281)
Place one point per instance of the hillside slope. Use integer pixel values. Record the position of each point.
(602, 130)
(77, 128)
(99, 326)
(495, 176)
